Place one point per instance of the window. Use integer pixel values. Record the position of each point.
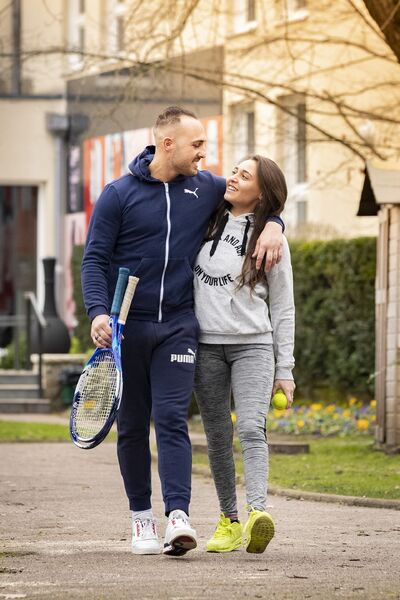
(76, 32)
(295, 9)
(115, 26)
(251, 10)
(292, 150)
(243, 139)
(245, 15)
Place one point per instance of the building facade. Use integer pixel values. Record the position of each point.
(305, 82)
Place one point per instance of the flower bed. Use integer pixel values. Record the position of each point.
(323, 420)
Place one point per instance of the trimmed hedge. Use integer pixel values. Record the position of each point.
(335, 316)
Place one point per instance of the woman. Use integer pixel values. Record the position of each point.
(245, 345)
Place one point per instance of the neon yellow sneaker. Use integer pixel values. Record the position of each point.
(259, 531)
(227, 536)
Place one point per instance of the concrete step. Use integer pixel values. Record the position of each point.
(19, 390)
(21, 376)
(24, 405)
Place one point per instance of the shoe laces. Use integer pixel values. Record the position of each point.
(178, 515)
(145, 528)
(220, 532)
(221, 529)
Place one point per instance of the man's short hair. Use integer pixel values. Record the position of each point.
(172, 115)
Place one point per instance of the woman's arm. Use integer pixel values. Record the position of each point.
(282, 314)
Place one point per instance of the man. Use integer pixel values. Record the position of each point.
(153, 221)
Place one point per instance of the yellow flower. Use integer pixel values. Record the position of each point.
(362, 424)
(352, 401)
(233, 418)
(346, 413)
(316, 406)
(330, 408)
(300, 423)
(373, 403)
(373, 417)
(335, 416)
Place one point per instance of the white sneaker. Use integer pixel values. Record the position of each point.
(144, 536)
(179, 536)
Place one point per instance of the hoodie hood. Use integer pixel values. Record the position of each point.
(140, 166)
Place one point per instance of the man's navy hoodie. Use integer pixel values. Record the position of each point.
(156, 230)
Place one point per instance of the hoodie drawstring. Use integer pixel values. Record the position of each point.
(244, 243)
(219, 233)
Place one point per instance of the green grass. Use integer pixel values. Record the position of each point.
(344, 466)
(18, 431)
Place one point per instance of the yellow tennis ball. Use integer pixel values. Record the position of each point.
(279, 400)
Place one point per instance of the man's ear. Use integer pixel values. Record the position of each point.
(168, 143)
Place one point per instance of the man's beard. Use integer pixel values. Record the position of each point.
(188, 169)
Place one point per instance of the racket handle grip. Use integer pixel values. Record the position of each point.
(126, 304)
(123, 274)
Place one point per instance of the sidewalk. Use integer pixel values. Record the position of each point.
(65, 535)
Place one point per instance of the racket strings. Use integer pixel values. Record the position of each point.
(96, 390)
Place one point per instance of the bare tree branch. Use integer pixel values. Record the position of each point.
(384, 14)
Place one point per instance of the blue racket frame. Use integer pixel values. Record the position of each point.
(115, 350)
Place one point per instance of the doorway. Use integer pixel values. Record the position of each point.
(18, 256)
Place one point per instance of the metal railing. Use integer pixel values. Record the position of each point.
(31, 303)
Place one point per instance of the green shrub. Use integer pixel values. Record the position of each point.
(335, 315)
(8, 359)
(82, 330)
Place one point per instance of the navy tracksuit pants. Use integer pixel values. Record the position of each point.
(158, 361)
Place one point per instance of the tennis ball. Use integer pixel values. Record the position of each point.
(279, 400)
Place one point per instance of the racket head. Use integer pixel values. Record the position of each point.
(96, 399)
(99, 389)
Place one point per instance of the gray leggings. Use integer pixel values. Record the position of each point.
(249, 369)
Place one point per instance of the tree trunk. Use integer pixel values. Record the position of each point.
(386, 14)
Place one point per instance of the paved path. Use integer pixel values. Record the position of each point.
(64, 529)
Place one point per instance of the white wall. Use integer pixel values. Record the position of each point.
(27, 157)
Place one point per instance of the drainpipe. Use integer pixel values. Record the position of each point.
(58, 126)
(16, 45)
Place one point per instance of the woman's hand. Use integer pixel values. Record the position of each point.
(287, 386)
(269, 244)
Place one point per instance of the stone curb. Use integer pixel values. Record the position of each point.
(315, 496)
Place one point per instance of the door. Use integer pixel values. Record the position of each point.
(18, 241)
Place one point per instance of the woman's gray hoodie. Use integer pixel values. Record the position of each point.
(228, 315)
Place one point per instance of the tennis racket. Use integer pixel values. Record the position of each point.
(99, 390)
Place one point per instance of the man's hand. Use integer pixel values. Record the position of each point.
(269, 244)
(287, 386)
(101, 331)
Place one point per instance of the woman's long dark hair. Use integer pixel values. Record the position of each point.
(272, 184)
